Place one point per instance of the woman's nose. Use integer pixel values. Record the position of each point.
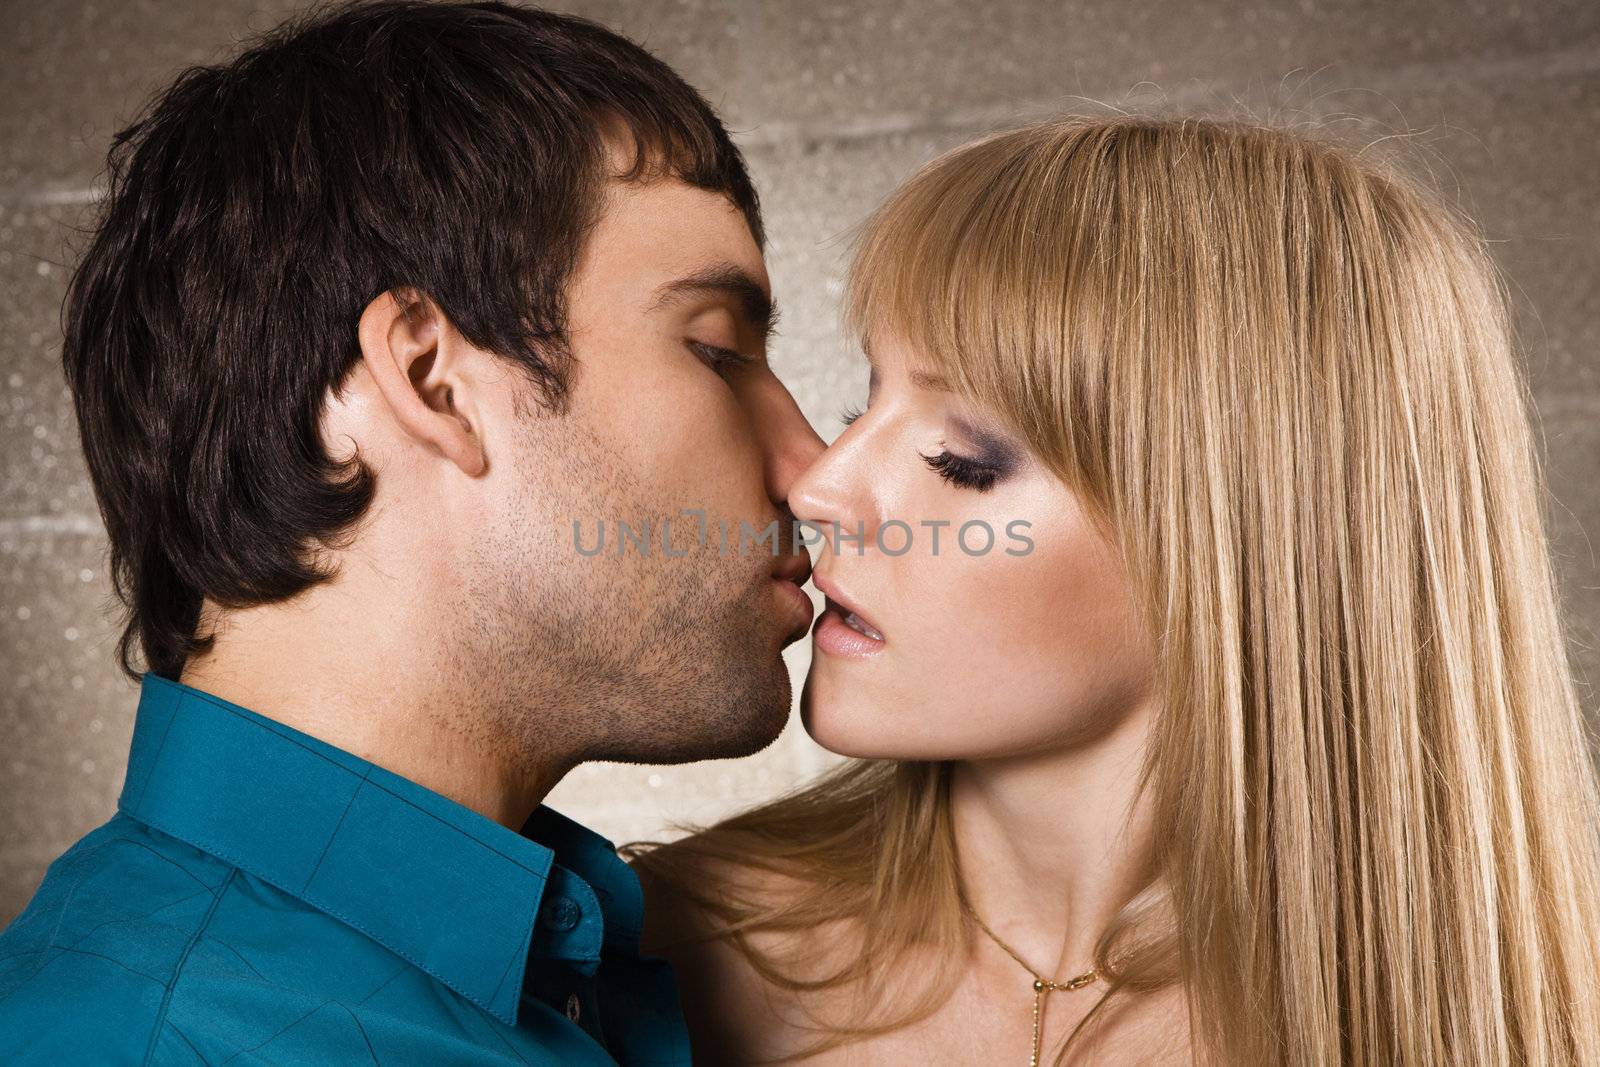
(827, 490)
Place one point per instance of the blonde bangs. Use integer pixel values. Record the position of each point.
(939, 267)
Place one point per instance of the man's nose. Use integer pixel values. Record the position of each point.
(789, 443)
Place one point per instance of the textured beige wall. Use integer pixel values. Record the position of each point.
(834, 102)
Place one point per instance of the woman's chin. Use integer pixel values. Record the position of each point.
(842, 743)
(858, 727)
(843, 727)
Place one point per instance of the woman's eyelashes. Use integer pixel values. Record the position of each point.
(849, 415)
(964, 472)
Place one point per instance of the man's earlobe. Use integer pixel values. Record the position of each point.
(416, 359)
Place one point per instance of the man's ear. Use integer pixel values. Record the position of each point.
(416, 359)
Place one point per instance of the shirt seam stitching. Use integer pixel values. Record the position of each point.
(177, 968)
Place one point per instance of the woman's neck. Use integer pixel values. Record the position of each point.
(1053, 844)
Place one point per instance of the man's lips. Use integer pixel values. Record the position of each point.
(790, 574)
(795, 568)
(799, 604)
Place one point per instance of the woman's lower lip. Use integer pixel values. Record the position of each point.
(836, 637)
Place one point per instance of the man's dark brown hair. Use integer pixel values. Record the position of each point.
(257, 207)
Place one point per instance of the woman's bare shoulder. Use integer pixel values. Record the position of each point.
(735, 1013)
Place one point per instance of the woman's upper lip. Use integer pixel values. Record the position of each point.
(832, 591)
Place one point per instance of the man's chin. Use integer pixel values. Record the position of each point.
(721, 725)
(749, 727)
(746, 744)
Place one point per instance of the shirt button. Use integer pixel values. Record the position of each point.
(562, 914)
(572, 1006)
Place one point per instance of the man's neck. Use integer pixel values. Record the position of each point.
(386, 706)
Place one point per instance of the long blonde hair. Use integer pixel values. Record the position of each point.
(1280, 373)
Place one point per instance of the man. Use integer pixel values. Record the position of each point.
(380, 317)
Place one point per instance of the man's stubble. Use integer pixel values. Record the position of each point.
(637, 657)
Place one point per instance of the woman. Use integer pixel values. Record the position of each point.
(1267, 751)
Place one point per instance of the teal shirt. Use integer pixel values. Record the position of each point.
(262, 897)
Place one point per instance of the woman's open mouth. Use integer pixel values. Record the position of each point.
(843, 632)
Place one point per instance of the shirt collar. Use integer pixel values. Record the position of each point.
(452, 891)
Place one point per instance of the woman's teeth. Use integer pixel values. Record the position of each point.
(852, 620)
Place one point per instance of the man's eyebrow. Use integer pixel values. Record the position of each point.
(755, 306)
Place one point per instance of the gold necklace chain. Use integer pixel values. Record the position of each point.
(1041, 984)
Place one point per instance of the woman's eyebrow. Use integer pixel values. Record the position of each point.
(750, 298)
(918, 377)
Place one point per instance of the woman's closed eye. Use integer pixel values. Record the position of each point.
(964, 472)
